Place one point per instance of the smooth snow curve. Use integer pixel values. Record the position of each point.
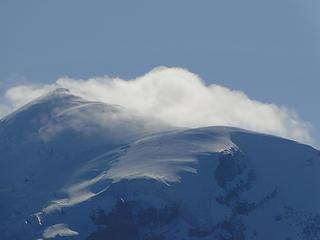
(111, 174)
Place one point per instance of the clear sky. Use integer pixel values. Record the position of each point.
(268, 49)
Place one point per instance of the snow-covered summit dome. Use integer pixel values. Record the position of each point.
(72, 168)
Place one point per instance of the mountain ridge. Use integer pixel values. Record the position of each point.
(93, 171)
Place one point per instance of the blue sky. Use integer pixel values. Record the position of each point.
(268, 49)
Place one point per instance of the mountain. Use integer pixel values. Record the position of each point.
(77, 169)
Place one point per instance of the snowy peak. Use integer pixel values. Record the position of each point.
(59, 98)
(60, 111)
(147, 180)
(61, 90)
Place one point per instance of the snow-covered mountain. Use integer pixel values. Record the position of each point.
(76, 169)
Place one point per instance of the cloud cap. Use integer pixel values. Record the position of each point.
(180, 98)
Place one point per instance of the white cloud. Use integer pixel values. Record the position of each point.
(180, 98)
(20, 95)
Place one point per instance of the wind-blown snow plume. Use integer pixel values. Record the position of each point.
(180, 98)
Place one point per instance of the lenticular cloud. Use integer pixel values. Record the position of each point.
(180, 98)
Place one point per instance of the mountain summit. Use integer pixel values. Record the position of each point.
(77, 169)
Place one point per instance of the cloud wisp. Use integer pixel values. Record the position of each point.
(179, 98)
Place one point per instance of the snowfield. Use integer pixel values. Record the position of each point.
(76, 169)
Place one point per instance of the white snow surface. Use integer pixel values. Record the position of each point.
(161, 157)
(61, 230)
(63, 158)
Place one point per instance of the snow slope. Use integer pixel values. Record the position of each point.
(74, 169)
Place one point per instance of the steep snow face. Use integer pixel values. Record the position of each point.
(59, 111)
(217, 182)
(44, 142)
(161, 157)
(62, 127)
(85, 170)
(59, 131)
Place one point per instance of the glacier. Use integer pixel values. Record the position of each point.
(78, 169)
